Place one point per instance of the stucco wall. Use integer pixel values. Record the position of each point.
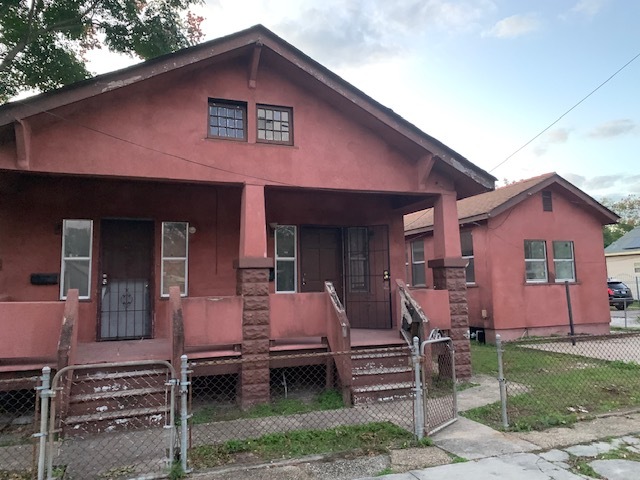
(157, 128)
(525, 306)
(31, 235)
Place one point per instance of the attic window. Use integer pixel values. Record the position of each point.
(227, 120)
(275, 124)
(547, 203)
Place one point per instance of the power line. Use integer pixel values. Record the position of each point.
(566, 113)
(155, 150)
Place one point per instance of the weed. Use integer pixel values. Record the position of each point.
(370, 438)
(425, 442)
(456, 459)
(384, 471)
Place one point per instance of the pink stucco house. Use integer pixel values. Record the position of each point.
(198, 202)
(521, 243)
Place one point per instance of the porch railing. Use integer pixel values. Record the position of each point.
(414, 322)
(339, 339)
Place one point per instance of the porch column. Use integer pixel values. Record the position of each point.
(253, 285)
(449, 274)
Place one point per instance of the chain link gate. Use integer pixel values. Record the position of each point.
(435, 376)
(110, 420)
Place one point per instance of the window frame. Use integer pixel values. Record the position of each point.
(274, 108)
(185, 259)
(293, 259)
(470, 258)
(537, 260)
(64, 259)
(572, 260)
(417, 264)
(235, 104)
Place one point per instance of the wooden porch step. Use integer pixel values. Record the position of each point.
(382, 393)
(381, 375)
(115, 415)
(90, 397)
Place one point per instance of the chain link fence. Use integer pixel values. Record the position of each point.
(18, 422)
(554, 381)
(307, 398)
(439, 384)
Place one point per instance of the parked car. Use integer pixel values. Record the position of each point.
(619, 294)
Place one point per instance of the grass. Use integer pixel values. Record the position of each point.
(369, 438)
(16, 475)
(547, 389)
(326, 400)
(385, 471)
(581, 465)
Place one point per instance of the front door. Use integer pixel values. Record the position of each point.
(320, 259)
(126, 274)
(367, 278)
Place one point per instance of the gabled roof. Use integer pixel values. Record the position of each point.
(470, 178)
(490, 204)
(629, 243)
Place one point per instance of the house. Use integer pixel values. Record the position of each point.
(198, 202)
(523, 243)
(623, 260)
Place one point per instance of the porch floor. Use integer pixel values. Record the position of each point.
(123, 351)
(367, 337)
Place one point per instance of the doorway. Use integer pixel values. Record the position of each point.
(126, 274)
(356, 261)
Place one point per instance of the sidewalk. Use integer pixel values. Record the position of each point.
(484, 453)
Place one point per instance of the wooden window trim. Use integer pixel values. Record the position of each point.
(218, 102)
(278, 108)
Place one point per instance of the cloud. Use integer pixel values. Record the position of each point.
(514, 26)
(614, 128)
(588, 8)
(578, 180)
(356, 32)
(555, 136)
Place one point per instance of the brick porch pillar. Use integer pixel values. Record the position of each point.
(253, 285)
(449, 274)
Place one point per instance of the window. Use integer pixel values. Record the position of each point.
(275, 125)
(175, 251)
(547, 201)
(535, 260)
(227, 119)
(636, 267)
(77, 236)
(285, 237)
(418, 275)
(563, 262)
(358, 257)
(466, 243)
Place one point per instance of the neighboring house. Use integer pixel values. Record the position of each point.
(522, 243)
(198, 202)
(623, 260)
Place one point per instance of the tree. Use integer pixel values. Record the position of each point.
(42, 42)
(629, 210)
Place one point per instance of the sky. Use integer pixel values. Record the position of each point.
(482, 76)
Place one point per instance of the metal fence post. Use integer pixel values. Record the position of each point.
(184, 414)
(419, 406)
(45, 395)
(503, 383)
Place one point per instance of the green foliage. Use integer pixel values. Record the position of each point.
(629, 210)
(176, 472)
(371, 437)
(385, 471)
(42, 42)
(456, 459)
